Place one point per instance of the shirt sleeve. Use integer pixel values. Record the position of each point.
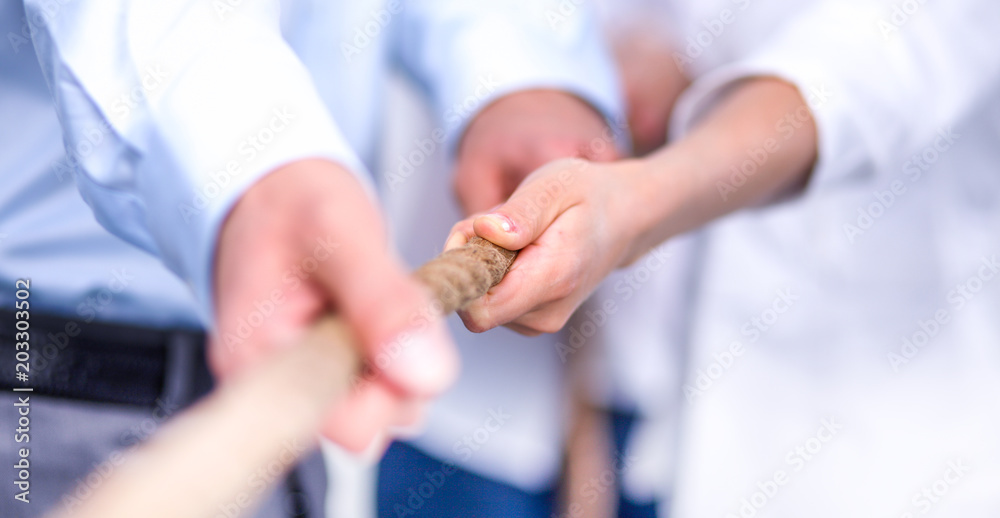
(467, 54)
(171, 110)
(883, 80)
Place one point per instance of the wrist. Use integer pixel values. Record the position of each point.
(652, 206)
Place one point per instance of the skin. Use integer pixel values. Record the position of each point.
(519, 133)
(270, 237)
(575, 221)
(273, 230)
(651, 81)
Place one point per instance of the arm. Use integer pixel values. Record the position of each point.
(865, 82)
(575, 221)
(188, 145)
(880, 84)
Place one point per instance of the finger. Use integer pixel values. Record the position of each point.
(460, 234)
(536, 278)
(389, 311)
(255, 316)
(363, 416)
(533, 207)
(402, 334)
(264, 297)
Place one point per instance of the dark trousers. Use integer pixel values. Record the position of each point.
(100, 390)
(414, 484)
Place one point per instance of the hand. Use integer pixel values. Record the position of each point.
(570, 222)
(652, 82)
(303, 241)
(519, 133)
(575, 221)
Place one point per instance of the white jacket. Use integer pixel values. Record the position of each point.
(843, 357)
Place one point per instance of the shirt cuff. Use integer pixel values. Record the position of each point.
(843, 159)
(580, 66)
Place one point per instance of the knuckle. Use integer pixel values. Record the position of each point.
(566, 287)
(523, 214)
(475, 321)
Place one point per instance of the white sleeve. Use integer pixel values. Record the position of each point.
(171, 110)
(469, 53)
(883, 79)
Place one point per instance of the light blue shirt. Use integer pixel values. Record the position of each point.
(168, 111)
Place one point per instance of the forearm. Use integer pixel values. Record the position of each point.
(586, 218)
(757, 144)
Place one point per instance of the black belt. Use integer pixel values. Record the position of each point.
(106, 363)
(110, 363)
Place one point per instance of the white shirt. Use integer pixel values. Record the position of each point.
(215, 97)
(836, 405)
(170, 111)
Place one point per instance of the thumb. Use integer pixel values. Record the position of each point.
(532, 208)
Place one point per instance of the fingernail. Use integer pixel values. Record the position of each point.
(501, 221)
(422, 361)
